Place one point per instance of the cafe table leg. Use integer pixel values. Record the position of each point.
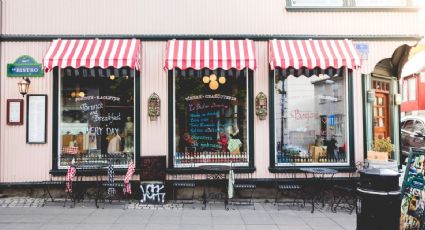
(204, 196)
(98, 192)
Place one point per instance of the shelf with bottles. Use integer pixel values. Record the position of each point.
(291, 159)
(188, 159)
(95, 156)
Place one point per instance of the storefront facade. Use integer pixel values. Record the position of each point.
(208, 111)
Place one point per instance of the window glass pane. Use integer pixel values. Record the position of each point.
(210, 118)
(96, 118)
(380, 3)
(317, 3)
(404, 93)
(310, 120)
(412, 89)
(381, 112)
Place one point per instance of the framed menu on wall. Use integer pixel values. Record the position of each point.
(36, 118)
(15, 112)
(413, 193)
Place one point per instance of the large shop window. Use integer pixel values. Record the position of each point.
(310, 119)
(96, 115)
(310, 113)
(211, 117)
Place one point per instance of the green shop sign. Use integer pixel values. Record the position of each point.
(24, 66)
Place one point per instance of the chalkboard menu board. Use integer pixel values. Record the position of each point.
(153, 168)
(205, 113)
(413, 194)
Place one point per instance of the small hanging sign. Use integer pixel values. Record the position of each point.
(261, 105)
(24, 66)
(154, 107)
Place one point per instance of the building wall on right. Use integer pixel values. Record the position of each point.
(413, 94)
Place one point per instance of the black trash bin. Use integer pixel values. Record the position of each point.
(379, 200)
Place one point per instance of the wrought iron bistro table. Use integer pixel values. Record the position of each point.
(318, 177)
(217, 174)
(96, 170)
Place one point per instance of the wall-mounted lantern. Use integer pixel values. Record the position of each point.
(24, 86)
(154, 105)
(261, 105)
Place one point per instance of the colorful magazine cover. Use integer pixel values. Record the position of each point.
(413, 194)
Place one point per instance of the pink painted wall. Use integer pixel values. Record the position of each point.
(261, 127)
(20, 161)
(154, 134)
(196, 17)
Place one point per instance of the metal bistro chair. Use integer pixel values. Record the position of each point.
(53, 182)
(243, 183)
(186, 182)
(115, 188)
(289, 186)
(346, 193)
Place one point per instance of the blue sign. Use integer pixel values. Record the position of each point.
(24, 66)
(331, 119)
(363, 50)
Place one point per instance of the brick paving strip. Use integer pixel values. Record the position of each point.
(29, 202)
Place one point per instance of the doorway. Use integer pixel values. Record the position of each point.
(381, 127)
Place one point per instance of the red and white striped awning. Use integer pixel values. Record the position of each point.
(211, 54)
(93, 53)
(312, 54)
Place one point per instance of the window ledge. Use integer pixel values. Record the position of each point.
(351, 9)
(117, 171)
(199, 171)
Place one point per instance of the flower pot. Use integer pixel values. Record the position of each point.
(377, 156)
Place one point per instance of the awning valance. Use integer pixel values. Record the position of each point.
(312, 54)
(211, 54)
(115, 53)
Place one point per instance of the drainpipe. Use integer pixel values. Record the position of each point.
(1, 34)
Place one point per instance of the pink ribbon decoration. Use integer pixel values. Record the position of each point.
(70, 174)
(130, 172)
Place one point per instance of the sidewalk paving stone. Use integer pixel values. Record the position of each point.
(229, 227)
(228, 220)
(295, 227)
(168, 217)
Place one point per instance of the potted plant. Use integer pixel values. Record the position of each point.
(381, 150)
